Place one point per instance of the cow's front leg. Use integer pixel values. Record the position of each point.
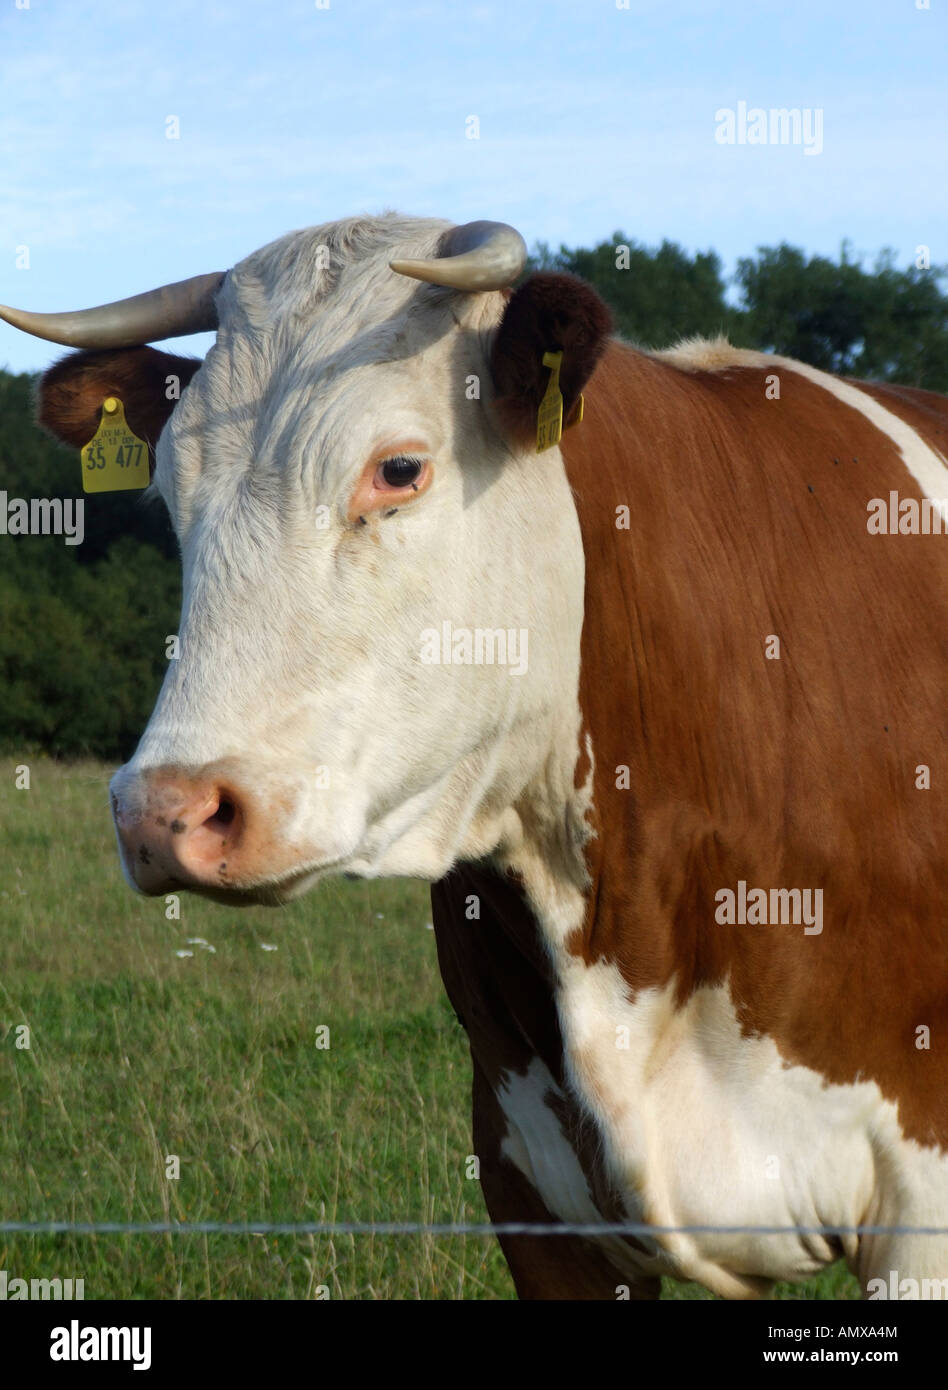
(559, 1267)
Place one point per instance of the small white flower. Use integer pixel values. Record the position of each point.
(182, 954)
(265, 947)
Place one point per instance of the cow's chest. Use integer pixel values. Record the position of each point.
(701, 1126)
(639, 1110)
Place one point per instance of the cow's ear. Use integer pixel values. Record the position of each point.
(146, 381)
(550, 312)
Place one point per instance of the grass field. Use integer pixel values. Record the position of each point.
(138, 1052)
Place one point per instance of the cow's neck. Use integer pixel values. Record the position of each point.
(554, 836)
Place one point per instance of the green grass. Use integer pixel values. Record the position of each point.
(138, 1053)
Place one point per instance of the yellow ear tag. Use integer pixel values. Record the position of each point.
(550, 413)
(115, 459)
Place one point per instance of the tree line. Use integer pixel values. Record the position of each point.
(83, 628)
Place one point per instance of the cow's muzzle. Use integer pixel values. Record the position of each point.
(202, 829)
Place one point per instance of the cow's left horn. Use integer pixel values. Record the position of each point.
(172, 311)
(475, 256)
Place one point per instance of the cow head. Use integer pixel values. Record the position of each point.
(383, 580)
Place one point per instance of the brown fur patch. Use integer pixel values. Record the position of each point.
(748, 517)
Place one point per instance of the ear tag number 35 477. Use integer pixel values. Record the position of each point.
(115, 459)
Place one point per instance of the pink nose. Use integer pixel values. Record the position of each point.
(179, 831)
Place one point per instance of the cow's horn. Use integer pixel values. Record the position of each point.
(475, 256)
(169, 312)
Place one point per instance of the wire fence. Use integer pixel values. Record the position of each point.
(637, 1230)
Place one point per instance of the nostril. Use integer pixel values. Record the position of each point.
(183, 830)
(223, 817)
(210, 833)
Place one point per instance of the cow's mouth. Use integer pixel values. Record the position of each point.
(269, 893)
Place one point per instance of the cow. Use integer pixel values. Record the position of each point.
(688, 850)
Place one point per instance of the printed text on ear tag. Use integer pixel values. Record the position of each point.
(550, 413)
(115, 459)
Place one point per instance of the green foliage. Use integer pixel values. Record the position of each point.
(82, 628)
(886, 324)
(656, 297)
(882, 324)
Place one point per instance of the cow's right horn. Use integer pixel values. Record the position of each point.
(474, 256)
(172, 311)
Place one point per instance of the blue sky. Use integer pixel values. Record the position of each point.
(592, 118)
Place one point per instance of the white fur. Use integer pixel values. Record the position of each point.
(300, 645)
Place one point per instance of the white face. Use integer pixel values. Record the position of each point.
(341, 494)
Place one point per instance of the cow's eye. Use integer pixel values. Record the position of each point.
(390, 481)
(399, 472)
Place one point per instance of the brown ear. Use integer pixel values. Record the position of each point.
(549, 312)
(71, 392)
